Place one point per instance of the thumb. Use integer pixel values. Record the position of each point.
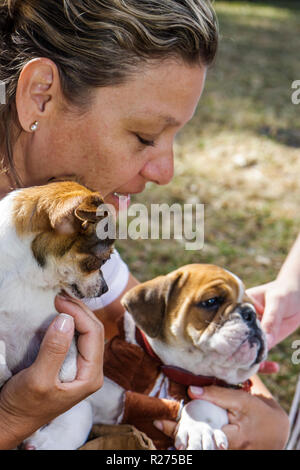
(55, 346)
(167, 427)
(269, 367)
(229, 399)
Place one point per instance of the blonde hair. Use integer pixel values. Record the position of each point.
(97, 43)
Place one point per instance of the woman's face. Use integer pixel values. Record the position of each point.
(126, 138)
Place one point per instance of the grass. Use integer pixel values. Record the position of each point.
(240, 157)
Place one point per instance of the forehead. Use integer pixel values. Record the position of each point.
(160, 90)
(209, 279)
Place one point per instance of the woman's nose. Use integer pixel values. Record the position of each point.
(160, 170)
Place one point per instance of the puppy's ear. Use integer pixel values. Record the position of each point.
(87, 210)
(76, 213)
(64, 206)
(148, 302)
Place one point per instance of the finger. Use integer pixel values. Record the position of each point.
(63, 301)
(86, 324)
(54, 347)
(90, 342)
(167, 427)
(271, 320)
(257, 294)
(229, 399)
(269, 367)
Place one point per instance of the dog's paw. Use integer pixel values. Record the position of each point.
(201, 436)
(40, 440)
(200, 426)
(5, 374)
(68, 370)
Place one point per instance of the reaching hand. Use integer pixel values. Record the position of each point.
(279, 304)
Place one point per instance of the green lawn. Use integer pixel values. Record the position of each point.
(240, 157)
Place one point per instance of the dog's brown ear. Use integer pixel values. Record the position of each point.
(147, 303)
(87, 210)
(76, 213)
(61, 206)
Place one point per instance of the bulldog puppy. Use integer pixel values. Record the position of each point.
(197, 326)
(48, 244)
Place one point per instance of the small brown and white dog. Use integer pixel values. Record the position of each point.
(195, 326)
(48, 243)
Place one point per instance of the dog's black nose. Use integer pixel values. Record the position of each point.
(104, 288)
(248, 314)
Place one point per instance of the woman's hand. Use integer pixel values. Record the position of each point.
(35, 396)
(255, 421)
(278, 303)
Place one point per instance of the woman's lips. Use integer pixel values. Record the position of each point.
(118, 200)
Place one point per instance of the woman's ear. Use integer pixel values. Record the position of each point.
(37, 88)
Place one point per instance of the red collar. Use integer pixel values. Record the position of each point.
(182, 376)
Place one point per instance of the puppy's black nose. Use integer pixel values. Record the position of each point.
(104, 288)
(247, 313)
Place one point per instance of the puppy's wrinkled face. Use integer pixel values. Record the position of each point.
(199, 318)
(60, 222)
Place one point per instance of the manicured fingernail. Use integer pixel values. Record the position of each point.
(158, 425)
(64, 323)
(197, 391)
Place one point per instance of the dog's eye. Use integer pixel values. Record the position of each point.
(211, 304)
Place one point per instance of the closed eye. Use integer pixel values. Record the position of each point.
(149, 143)
(211, 304)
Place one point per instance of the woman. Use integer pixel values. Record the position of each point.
(99, 89)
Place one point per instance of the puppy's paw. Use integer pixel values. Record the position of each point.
(198, 429)
(200, 437)
(5, 374)
(40, 440)
(68, 370)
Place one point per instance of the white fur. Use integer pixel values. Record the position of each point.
(240, 285)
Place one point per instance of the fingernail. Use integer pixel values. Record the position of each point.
(158, 425)
(64, 323)
(198, 391)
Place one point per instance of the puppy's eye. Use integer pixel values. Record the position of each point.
(211, 304)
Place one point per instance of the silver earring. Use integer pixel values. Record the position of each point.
(34, 126)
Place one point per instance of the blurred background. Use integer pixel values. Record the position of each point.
(240, 156)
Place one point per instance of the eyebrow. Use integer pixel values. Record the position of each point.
(166, 120)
